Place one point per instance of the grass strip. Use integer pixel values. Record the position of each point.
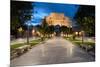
(79, 42)
(16, 45)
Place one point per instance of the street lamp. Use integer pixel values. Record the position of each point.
(76, 33)
(28, 23)
(20, 31)
(69, 29)
(33, 33)
(82, 34)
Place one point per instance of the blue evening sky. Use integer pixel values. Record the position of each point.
(42, 9)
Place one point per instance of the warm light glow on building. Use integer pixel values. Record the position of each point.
(58, 19)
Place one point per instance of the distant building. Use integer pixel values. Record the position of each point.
(58, 19)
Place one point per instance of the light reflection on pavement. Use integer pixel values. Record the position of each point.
(53, 51)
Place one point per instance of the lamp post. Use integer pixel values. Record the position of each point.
(27, 34)
(20, 31)
(82, 34)
(76, 33)
(69, 30)
(28, 23)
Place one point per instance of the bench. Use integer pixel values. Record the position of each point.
(86, 47)
(22, 49)
(13, 54)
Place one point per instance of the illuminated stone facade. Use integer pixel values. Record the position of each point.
(58, 19)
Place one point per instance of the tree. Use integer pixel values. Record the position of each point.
(20, 12)
(45, 29)
(44, 26)
(85, 17)
(50, 30)
(65, 30)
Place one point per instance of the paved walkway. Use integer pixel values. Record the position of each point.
(54, 51)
